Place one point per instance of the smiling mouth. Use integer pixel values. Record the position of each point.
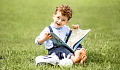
(58, 24)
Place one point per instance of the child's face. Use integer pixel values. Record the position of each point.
(59, 20)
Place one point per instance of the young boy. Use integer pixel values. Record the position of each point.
(61, 17)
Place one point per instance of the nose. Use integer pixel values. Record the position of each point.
(59, 20)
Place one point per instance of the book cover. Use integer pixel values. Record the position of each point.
(74, 40)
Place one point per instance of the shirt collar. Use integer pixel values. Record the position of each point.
(52, 24)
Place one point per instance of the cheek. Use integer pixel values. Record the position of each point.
(55, 20)
(64, 23)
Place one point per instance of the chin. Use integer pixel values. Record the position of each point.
(58, 26)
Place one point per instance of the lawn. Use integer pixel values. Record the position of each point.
(21, 21)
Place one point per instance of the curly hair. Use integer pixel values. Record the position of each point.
(65, 11)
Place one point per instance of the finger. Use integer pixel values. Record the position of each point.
(48, 34)
(84, 58)
(51, 37)
(73, 26)
(78, 26)
(45, 33)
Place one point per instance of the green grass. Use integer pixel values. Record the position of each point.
(21, 21)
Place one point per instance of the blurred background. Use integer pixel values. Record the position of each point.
(21, 21)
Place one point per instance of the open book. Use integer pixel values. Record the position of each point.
(74, 40)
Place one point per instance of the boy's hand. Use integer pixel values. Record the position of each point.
(48, 36)
(75, 26)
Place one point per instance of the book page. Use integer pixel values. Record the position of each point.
(77, 35)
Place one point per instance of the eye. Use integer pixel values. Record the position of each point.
(63, 20)
(58, 17)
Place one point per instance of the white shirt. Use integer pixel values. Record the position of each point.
(61, 32)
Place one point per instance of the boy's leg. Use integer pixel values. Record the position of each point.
(48, 59)
(59, 52)
(79, 54)
(76, 57)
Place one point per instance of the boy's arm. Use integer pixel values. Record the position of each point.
(47, 36)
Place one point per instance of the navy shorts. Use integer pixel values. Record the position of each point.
(60, 50)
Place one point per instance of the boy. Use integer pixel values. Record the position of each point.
(61, 17)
